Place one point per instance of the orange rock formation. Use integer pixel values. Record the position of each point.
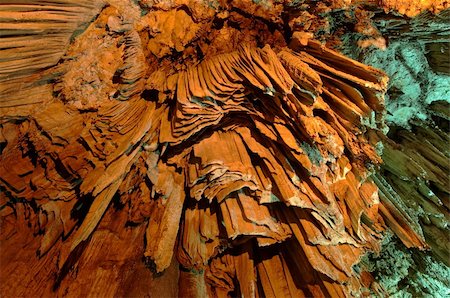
(219, 134)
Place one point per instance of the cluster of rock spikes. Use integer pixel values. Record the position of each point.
(213, 136)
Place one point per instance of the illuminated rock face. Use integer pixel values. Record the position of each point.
(222, 136)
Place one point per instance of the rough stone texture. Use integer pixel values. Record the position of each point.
(417, 102)
(407, 273)
(413, 83)
(417, 61)
(219, 144)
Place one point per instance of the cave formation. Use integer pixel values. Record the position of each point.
(214, 148)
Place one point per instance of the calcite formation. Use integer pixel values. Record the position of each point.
(220, 137)
(420, 174)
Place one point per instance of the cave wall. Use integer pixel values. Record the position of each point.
(91, 229)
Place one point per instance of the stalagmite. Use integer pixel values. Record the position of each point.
(217, 145)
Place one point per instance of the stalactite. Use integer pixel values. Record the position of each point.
(222, 138)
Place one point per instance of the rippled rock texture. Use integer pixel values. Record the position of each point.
(204, 148)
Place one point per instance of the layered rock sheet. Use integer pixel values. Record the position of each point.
(210, 134)
(418, 184)
(34, 36)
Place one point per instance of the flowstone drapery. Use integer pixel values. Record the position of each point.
(223, 138)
